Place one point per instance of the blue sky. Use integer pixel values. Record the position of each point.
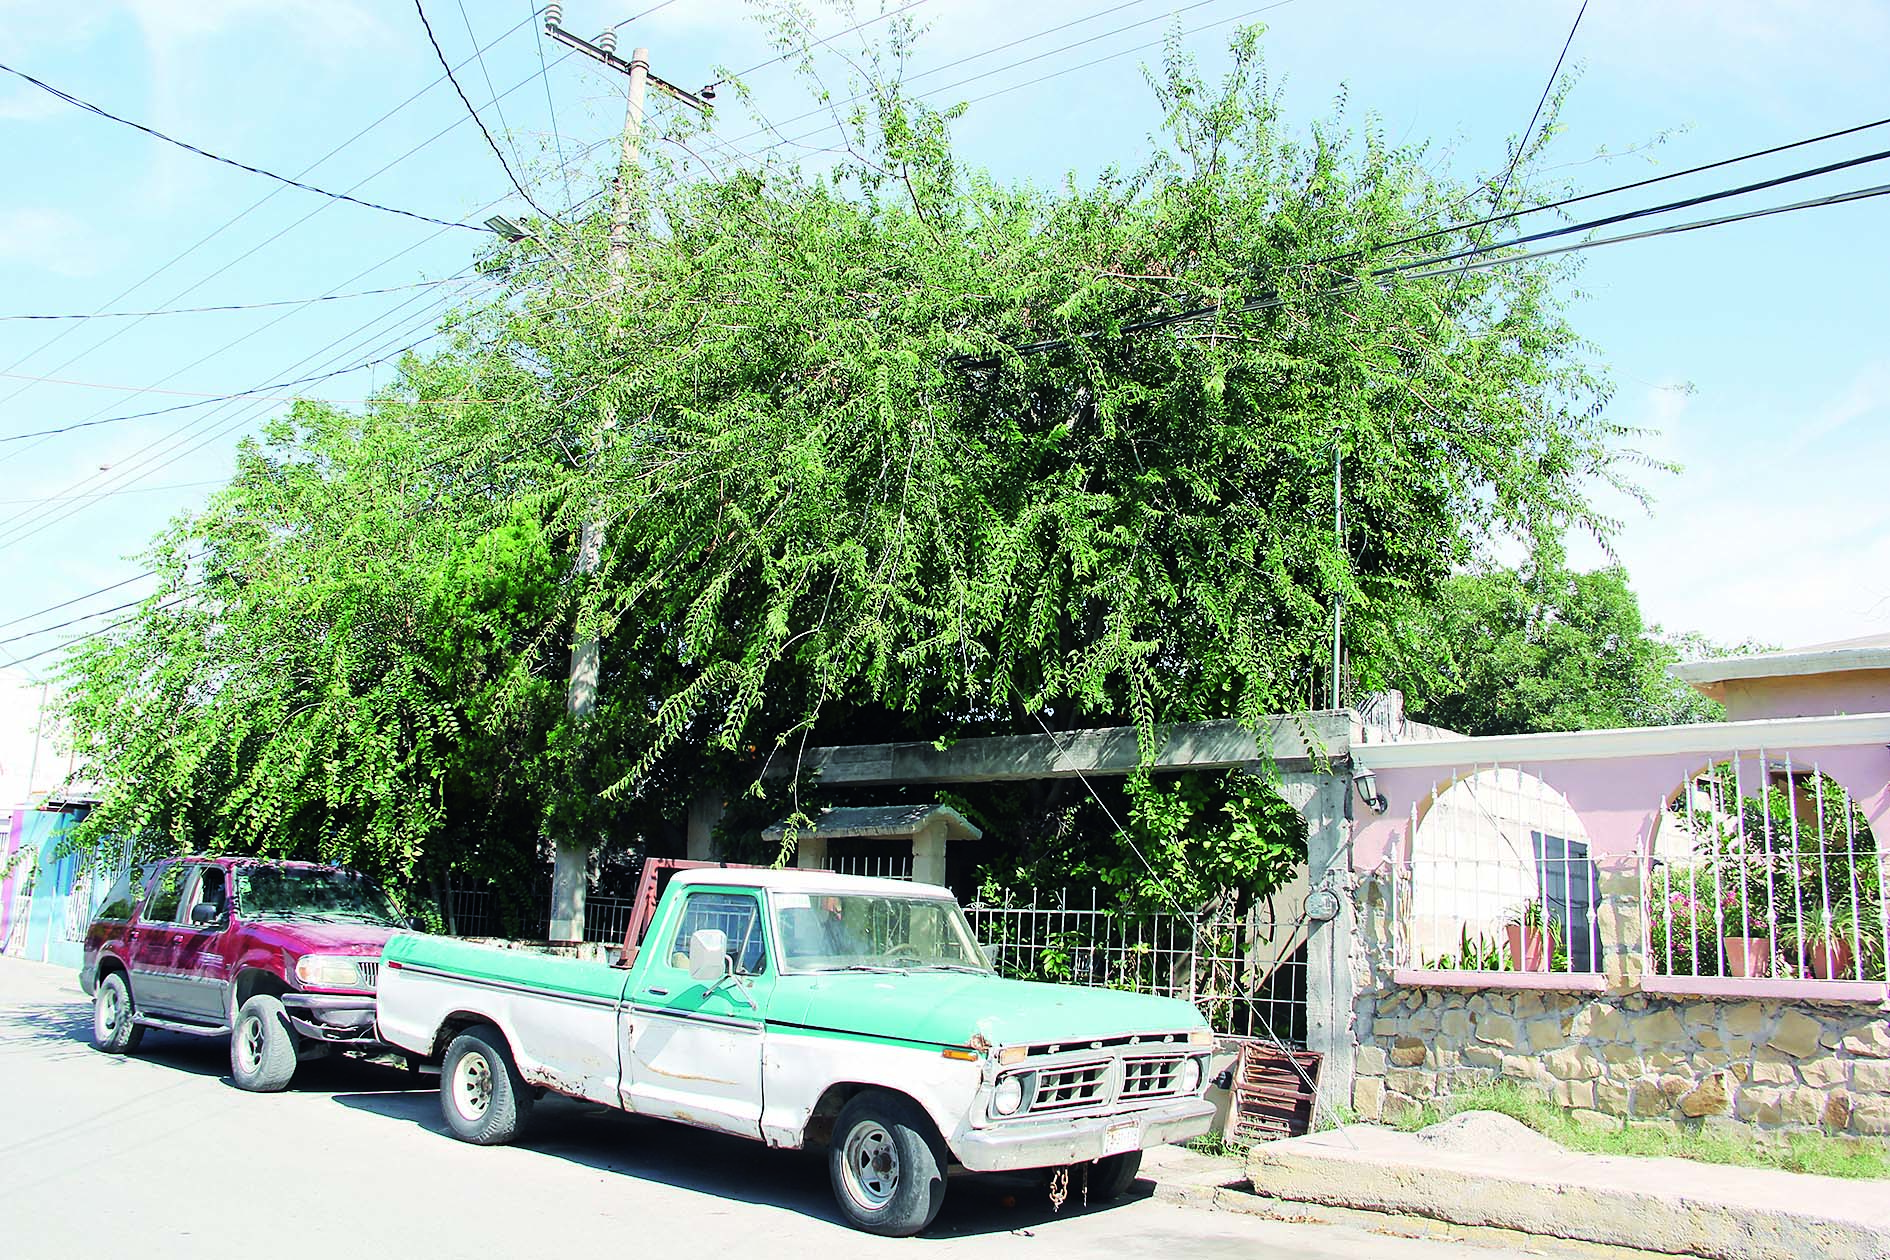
(1758, 351)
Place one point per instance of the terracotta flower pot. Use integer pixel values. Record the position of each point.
(1748, 956)
(1528, 948)
(1828, 960)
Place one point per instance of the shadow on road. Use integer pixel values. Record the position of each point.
(66, 1028)
(734, 1168)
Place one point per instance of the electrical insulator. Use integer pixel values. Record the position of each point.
(608, 42)
(554, 16)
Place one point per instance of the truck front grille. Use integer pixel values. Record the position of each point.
(1149, 1077)
(370, 972)
(1078, 1085)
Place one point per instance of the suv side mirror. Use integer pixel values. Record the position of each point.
(708, 956)
(205, 912)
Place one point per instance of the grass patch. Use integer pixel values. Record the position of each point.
(1215, 1144)
(1794, 1152)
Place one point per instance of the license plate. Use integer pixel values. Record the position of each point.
(1122, 1137)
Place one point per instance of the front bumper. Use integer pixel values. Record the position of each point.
(1055, 1140)
(341, 1018)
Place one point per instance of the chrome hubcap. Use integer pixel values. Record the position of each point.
(472, 1086)
(870, 1164)
(250, 1044)
(108, 1013)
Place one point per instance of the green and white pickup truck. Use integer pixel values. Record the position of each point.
(804, 1009)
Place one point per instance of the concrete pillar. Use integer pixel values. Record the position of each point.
(1331, 945)
(810, 851)
(703, 816)
(928, 853)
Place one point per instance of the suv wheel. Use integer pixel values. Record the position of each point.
(262, 1046)
(888, 1176)
(113, 1029)
(482, 1096)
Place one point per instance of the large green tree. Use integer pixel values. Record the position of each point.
(839, 505)
(1509, 651)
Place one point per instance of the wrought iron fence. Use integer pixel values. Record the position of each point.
(1247, 973)
(1763, 867)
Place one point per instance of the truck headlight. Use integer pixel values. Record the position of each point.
(1190, 1075)
(330, 971)
(1008, 1096)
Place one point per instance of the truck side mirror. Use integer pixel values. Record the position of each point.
(991, 953)
(708, 956)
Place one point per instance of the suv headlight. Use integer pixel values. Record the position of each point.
(1008, 1096)
(330, 971)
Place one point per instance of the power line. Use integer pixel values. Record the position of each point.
(103, 590)
(228, 306)
(1269, 300)
(231, 222)
(477, 120)
(212, 399)
(708, 92)
(1522, 146)
(1414, 270)
(67, 498)
(544, 76)
(90, 634)
(34, 634)
(89, 107)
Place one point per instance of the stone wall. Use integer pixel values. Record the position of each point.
(1706, 1062)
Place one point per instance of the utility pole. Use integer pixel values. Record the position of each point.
(572, 853)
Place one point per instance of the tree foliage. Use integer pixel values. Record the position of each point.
(1545, 648)
(837, 505)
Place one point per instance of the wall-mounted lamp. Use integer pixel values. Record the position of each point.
(1367, 785)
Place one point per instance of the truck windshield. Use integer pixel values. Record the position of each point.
(839, 932)
(269, 892)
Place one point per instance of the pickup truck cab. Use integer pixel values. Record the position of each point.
(805, 1009)
(281, 957)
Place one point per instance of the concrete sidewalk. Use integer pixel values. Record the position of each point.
(1485, 1170)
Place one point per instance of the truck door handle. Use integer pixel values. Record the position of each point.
(659, 992)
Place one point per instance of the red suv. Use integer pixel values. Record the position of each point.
(281, 957)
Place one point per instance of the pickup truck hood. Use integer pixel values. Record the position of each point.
(947, 1007)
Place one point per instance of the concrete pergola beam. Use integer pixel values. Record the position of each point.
(1294, 743)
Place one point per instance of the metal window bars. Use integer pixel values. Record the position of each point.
(1762, 867)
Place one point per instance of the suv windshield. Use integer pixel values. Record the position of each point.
(837, 931)
(269, 892)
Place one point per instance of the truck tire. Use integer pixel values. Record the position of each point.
(263, 1046)
(887, 1167)
(1111, 1176)
(113, 1029)
(484, 1099)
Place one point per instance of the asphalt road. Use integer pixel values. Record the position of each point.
(159, 1155)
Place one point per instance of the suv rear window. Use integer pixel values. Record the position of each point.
(166, 891)
(120, 900)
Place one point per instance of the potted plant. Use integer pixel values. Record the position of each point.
(1530, 936)
(1746, 940)
(1822, 944)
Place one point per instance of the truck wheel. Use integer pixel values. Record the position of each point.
(263, 1046)
(484, 1099)
(1111, 1176)
(888, 1176)
(113, 1029)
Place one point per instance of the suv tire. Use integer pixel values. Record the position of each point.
(483, 1097)
(263, 1046)
(114, 1030)
(887, 1166)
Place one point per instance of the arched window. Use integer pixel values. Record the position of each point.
(1499, 879)
(1761, 866)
